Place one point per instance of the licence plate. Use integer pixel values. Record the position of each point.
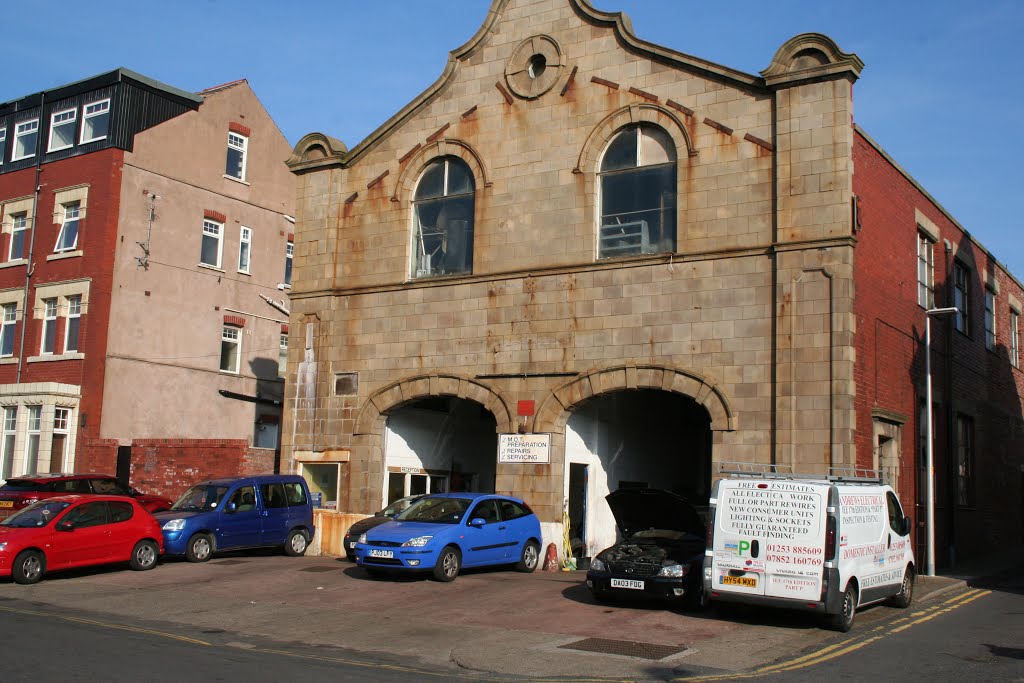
(381, 553)
(749, 582)
(6, 503)
(628, 583)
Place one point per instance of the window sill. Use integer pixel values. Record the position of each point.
(86, 142)
(283, 286)
(237, 180)
(14, 263)
(59, 149)
(233, 373)
(53, 357)
(64, 254)
(209, 267)
(8, 360)
(245, 272)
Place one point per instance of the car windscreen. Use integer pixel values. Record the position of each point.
(436, 510)
(201, 497)
(398, 506)
(40, 514)
(21, 485)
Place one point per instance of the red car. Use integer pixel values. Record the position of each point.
(20, 492)
(78, 531)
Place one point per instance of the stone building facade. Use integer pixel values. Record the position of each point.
(644, 256)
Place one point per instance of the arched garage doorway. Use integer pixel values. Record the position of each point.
(439, 443)
(646, 438)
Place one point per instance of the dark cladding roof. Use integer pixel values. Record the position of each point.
(102, 80)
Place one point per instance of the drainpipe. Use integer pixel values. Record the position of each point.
(952, 476)
(29, 265)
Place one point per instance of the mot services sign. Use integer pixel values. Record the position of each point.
(525, 448)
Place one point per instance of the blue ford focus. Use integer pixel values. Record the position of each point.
(444, 532)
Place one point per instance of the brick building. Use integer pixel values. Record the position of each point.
(648, 263)
(144, 230)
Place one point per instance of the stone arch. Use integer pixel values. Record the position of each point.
(447, 147)
(371, 416)
(634, 113)
(315, 150)
(809, 56)
(554, 411)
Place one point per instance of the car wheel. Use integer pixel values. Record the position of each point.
(696, 600)
(29, 567)
(200, 548)
(530, 558)
(144, 556)
(906, 594)
(448, 564)
(296, 544)
(843, 621)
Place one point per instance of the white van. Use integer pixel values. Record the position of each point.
(827, 544)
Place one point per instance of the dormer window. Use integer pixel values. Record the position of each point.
(62, 130)
(26, 134)
(96, 121)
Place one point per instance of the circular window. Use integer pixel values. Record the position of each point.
(534, 67)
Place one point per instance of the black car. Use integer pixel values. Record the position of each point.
(364, 525)
(661, 553)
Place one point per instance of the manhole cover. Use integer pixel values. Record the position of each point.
(319, 569)
(626, 648)
(228, 563)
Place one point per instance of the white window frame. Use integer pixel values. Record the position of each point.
(3, 145)
(1014, 338)
(289, 263)
(99, 108)
(214, 230)
(70, 117)
(74, 303)
(61, 425)
(240, 143)
(49, 331)
(33, 435)
(8, 326)
(926, 289)
(70, 208)
(20, 133)
(282, 354)
(19, 223)
(990, 319)
(244, 250)
(231, 335)
(8, 445)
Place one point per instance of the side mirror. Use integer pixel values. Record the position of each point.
(477, 522)
(65, 525)
(907, 527)
(231, 508)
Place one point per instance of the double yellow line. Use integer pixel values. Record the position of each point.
(847, 646)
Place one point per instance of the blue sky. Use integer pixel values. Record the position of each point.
(942, 89)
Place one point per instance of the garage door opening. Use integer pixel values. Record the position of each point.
(644, 438)
(439, 444)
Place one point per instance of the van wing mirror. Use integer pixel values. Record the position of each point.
(231, 508)
(907, 527)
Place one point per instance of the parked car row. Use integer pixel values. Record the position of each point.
(63, 530)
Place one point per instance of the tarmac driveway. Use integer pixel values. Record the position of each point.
(541, 624)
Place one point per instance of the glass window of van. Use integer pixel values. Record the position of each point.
(295, 493)
(273, 496)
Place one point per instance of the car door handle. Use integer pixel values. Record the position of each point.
(501, 528)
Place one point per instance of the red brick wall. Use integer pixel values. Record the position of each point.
(169, 466)
(973, 380)
(97, 240)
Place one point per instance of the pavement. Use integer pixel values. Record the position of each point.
(488, 624)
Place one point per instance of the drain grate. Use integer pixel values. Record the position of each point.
(626, 648)
(228, 563)
(319, 569)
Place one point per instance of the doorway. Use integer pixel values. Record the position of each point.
(577, 514)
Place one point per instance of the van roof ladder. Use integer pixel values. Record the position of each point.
(761, 470)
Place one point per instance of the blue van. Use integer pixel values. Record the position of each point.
(241, 512)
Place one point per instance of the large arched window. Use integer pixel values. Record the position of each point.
(638, 193)
(443, 219)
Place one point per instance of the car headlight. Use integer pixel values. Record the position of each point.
(675, 571)
(174, 525)
(598, 565)
(417, 542)
(3, 546)
(362, 538)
